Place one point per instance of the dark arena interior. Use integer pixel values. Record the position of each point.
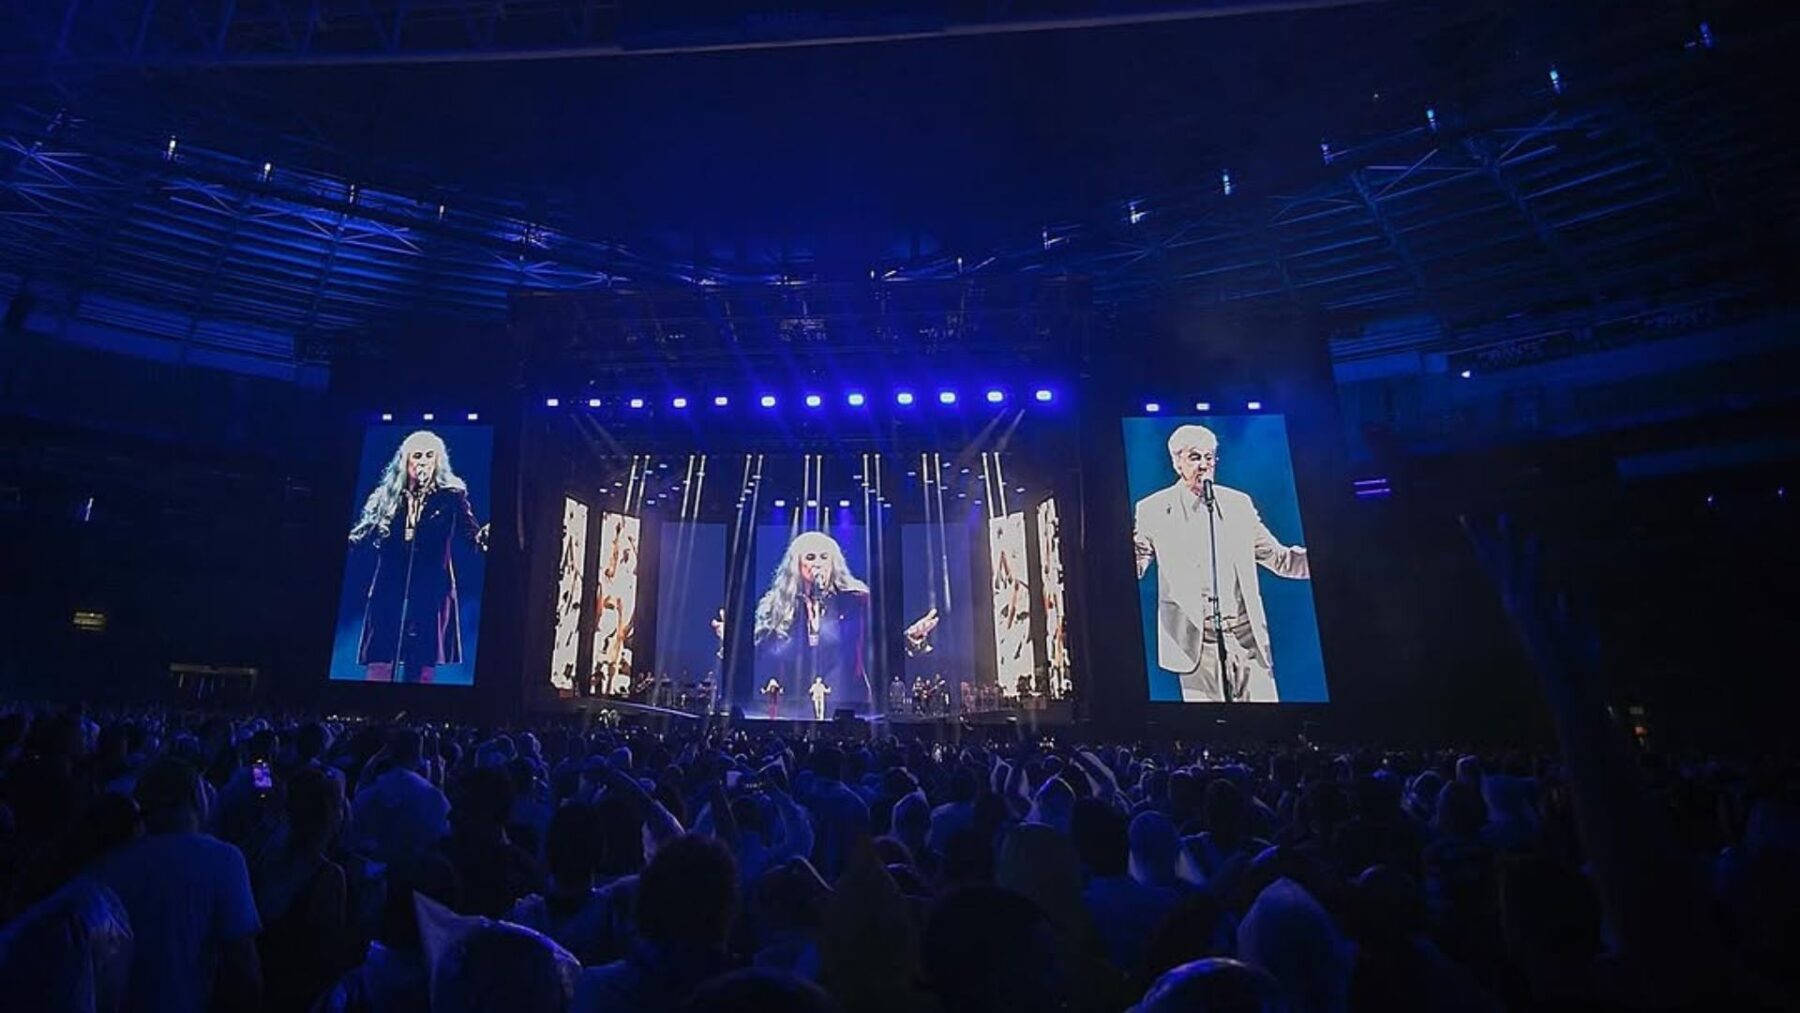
(1180, 506)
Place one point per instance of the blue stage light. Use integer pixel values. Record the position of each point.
(946, 397)
(551, 402)
(1556, 84)
(1203, 406)
(387, 416)
(780, 503)
(1431, 119)
(1043, 394)
(1467, 373)
(1254, 406)
(721, 401)
(768, 401)
(474, 417)
(855, 398)
(996, 396)
(844, 503)
(636, 402)
(593, 402)
(904, 397)
(812, 504)
(814, 400)
(679, 402)
(1225, 182)
(1152, 407)
(429, 417)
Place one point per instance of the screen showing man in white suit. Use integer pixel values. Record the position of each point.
(1171, 530)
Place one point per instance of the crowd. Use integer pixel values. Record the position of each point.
(163, 861)
(183, 862)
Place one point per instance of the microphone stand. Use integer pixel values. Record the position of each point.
(1218, 616)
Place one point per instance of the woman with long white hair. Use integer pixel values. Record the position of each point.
(813, 619)
(413, 520)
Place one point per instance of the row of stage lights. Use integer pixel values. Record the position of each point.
(1156, 407)
(855, 399)
(432, 416)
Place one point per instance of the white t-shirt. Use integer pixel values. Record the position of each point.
(187, 895)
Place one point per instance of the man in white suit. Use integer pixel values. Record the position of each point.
(1171, 529)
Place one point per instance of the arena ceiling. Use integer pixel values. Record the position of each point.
(220, 180)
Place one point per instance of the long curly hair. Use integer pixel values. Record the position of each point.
(378, 510)
(775, 612)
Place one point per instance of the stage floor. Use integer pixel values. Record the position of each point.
(1053, 713)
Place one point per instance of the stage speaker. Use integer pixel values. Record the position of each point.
(844, 716)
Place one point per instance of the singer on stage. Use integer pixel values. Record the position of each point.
(1171, 529)
(814, 618)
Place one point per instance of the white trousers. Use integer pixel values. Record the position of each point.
(1252, 680)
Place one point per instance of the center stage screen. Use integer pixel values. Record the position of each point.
(410, 609)
(803, 585)
(1225, 481)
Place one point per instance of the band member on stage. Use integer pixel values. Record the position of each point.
(811, 622)
(1171, 529)
(772, 693)
(819, 692)
(415, 519)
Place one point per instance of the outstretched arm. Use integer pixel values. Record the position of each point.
(1663, 932)
(467, 525)
(1281, 560)
(660, 824)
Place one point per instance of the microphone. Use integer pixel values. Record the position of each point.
(819, 581)
(1206, 491)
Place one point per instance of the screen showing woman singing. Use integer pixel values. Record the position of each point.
(410, 609)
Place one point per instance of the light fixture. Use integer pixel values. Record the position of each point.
(780, 503)
(636, 402)
(593, 402)
(387, 416)
(429, 417)
(812, 504)
(844, 503)
(1203, 406)
(679, 402)
(996, 396)
(768, 401)
(551, 402)
(720, 401)
(1254, 406)
(814, 400)
(1043, 394)
(904, 397)
(1151, 407)
(946, 397)
(1466, 374)
(855, 399)
(474, 417)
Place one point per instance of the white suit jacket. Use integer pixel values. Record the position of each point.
(1170, 528)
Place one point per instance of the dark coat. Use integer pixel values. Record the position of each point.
(838, 658)
(412, 618)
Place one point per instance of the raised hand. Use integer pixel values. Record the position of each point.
(920, 631)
